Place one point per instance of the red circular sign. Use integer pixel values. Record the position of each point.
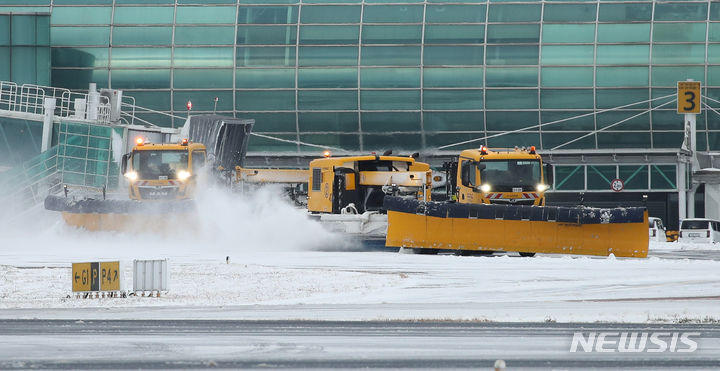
(617, 185)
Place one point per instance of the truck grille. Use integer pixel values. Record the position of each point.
(158, 193)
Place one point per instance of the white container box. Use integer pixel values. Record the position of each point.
(150, 275)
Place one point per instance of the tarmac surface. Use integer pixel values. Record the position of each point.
(287, 344)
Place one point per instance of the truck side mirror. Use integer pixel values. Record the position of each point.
(548, 171)
(123, 165)
(481, 166)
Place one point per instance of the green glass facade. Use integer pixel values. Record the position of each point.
(405, 74)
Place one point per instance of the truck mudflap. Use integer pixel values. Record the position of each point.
(124, 215)
(529, 229)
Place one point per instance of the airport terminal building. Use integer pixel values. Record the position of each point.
(592, 81)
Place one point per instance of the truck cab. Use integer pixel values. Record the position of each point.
(164, 171)
(500, 176)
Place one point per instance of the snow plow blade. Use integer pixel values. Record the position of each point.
(529, 229)
(124, 215)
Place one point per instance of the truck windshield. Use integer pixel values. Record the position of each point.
(694, 224)
(156, 164)
(510, 173)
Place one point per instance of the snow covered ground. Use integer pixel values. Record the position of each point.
(283, 266)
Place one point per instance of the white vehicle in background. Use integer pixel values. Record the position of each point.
(657, 229)
(699, 230)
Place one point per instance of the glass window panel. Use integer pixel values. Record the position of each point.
(669, 76)
(600, 177)
(663, 177)
(81, 15)
(377, 34)
(511, 98)
(625, 33)
(329, 34)
(328, 121)
(203, 100)
(327, 78)
(4, 29)
(714, 32)
(623, 54)
(453, 77)
(140, 79)
(273, 122)
(379, 100)
(23, 72)
(198, 79)
(43, 66)
(327, 100)
(569, 177)
(455, 14)
(610, 98)
(512, 54)
(568, 33)
(391, 56)
(452, 99)
(680, 11)
(622, 76)
(138, 35)
(156, 100)
(714, 11)
(714, 139)
(584, 141)
(348, 142)
(208, 35)
(4, 67)
(79, 79)
(140, 57)
(390, 77)
(678, 54)
(682, 32)
(87, 2)
(630, 12)
(668, 140)
(568, 54)
(80, 57)
(265, 56)
(453, 121)
(511, 77)
(80, 36)
(330, 14)
(514, 13)
(630, 120)
(566, 76)
(207, 1)
(513, 33)
(393, 14)
(144, 1)
(328, 56)
(567, 120)
(144, 15)
(266, 144)
(634, 176)
(43, 29)
(517, 139)
(713, 74)
(203, 57)
(456, 34)
(23, 30)
(267, 14)
(265, 78)
(453, 55)
(398, 121)
(280, 100)
(266, 35)
(713, 53)
(510, 120)
(567, 98)
(441, 139)
(380, 142)
(569, 12)
(205, 14)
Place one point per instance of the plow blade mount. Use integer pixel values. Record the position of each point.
(529, 229)
(125, 215)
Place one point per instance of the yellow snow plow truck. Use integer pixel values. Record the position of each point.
(497, 203)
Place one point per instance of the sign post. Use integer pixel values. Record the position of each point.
(688, 104)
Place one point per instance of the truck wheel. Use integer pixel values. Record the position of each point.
(527, 254)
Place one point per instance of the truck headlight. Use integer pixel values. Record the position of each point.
(485, 188)
(183, 174)
(131, 175)
(541, 187)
